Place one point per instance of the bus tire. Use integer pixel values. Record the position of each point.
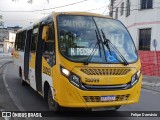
(116, 108)
(52, 104)
(23, 83)
(20, 72)
(20, 75)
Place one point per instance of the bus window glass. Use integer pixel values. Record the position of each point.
(19, 41)
(51, 33)
(34, 39)
(48, 49)
(77, 39)
(16, 42)
(23, 40)
(118, 35)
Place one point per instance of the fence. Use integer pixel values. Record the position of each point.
(150, 61)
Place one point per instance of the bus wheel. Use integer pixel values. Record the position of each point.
(23, 82)
(53, 105)
(117, 107)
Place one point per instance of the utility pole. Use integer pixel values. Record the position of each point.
(111, 7)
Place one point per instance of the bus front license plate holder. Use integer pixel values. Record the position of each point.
(108, 98)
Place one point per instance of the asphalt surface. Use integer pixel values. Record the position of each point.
(151, 83)
(14, 97)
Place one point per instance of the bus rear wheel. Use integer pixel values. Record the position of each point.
(52, 104)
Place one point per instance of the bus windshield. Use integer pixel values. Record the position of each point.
(78, 38)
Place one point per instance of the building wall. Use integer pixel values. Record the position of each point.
(140, 19)
(4, 34)
(12, 37)
(1, 47)
(9, 44)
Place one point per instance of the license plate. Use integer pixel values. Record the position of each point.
(108, 98)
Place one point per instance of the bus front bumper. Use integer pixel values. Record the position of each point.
(73, 97)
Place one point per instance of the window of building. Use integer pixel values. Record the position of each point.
(122, 8)
(116, 15)
(144, 39)
(128, 5)
(146, 4)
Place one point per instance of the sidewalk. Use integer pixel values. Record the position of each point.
(151, 82)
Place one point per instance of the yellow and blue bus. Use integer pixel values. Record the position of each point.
(79, 60)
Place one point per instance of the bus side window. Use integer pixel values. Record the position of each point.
(34, 39)
(16, 42)
(49, 47)
(19, 42)
(23, 40)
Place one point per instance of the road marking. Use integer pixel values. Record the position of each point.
(11, 94)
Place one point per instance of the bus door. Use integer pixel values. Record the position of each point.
(45, 58)
(38, 62)
(26, 54)
(32, 56)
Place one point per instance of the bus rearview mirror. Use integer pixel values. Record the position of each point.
(45, 33)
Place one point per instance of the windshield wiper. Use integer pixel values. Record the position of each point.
(94, 49)
(107, 42)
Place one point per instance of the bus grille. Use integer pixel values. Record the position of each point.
(97, 98)
(108, 71)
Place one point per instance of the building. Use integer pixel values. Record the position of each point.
(7, 38)
(14, 29)
(142, 19)
(4, 32)
(1, 47)
(9, 44)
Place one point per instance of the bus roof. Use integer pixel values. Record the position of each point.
(58, 13)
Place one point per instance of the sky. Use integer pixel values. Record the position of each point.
(21, 18)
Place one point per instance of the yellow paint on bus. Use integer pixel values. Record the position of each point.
(77, 81)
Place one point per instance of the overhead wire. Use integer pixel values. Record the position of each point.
(49, 8)
(105, 10)
(95, 8)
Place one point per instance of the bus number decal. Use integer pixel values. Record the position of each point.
(93, 80)
(47, 70)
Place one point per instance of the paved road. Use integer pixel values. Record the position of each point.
(25, 98)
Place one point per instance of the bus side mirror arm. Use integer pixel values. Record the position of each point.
(45, 33)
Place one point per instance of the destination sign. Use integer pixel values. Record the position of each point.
(78, 24)
(82, 51)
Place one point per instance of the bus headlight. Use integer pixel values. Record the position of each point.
(73, 78)
(65, 72)
(135, 78)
